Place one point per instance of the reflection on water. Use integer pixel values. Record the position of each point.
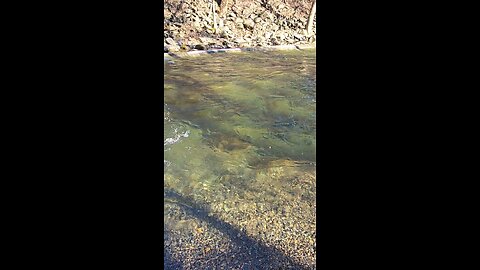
(240, 136)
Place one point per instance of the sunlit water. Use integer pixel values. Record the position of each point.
(240, 134)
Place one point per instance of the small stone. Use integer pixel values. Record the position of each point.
(173, 48)
(275, 41)
(298, 36)
(249, 23)
(197, 26)
(170, 41)
(204, 40)
(200, 47)
(229, 45)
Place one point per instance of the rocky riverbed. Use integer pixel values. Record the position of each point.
(241, 232)
(239, 161)
(196, 25)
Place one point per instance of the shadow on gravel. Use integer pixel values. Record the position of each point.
(247, 253)
(169, 262)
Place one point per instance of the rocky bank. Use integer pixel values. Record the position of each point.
(197, 25)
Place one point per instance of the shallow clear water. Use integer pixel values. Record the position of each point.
(240, 133)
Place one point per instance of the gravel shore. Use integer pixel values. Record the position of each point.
(192, 25)
(254, 229)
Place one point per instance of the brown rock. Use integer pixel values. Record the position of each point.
(200, 47)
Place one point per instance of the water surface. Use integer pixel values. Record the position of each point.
(239, 145)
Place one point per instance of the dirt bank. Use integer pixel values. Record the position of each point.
(192, 24)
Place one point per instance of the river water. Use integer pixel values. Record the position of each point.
(239, 161)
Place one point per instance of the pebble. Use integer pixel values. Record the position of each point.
(170, 41)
